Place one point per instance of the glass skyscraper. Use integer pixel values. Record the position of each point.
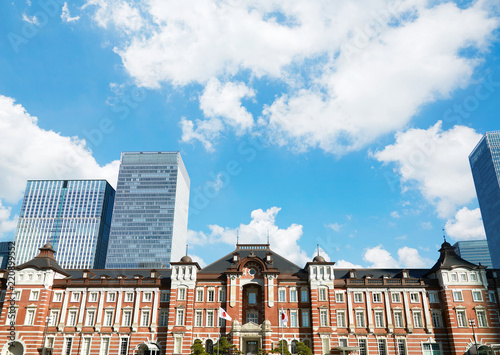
(485, 164)
(149, 227)
(73, 215)
(475, 251)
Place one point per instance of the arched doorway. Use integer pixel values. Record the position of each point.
(148, 349)
(209, 346)
(16, 348)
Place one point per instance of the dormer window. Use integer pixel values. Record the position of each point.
(352, 274)
(85, 274)
(269, 258)
(236, 258)
(405, 274)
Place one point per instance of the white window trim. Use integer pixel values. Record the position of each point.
(457, 292)
(32, 293)
(380, 297)
(127, 297)
(394, 294)
(211, 290)
(354, 297)
(481, 298)
(111, 297)
(145, 298)
(56, 296)
(418, 297)
(75, 297)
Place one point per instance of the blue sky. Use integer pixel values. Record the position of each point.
(342, 124)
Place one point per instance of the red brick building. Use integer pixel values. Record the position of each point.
(49, 310)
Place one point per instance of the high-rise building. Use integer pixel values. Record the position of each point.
(485, 164)
(5, 248)
(475, 251)
(149, 226)
(73, 215)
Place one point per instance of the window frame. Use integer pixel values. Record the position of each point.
(396, 297)
(457, 295)
(414, 297)
(356, 298)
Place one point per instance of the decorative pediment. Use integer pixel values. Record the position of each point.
(251, 327)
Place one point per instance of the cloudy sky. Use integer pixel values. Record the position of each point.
(346, 124)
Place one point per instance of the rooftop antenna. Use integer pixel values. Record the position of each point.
(187, 249)
(237, 236)
(317, 245)
(444, 236)
(268, 237)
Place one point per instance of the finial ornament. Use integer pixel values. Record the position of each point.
(317, 245)
(268, 236)
(444, 236)
(237, 236)
(187, 249)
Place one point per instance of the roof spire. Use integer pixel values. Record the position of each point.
(317, 245)
(444, 236)
(237, 236)
(187, 248)
(268, 236)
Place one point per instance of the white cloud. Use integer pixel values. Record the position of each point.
(342, 264)
(395, 214)
(425, 225)
(204, 131)
(436, 163)
(285, 241)
(467, 225)
(65, 15)
(334, 226)
(29, 152)
(348, 72)
(198, 260)
(7, 223)
(31, 19)
(379, 257)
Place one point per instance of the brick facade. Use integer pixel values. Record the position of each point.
(334, 311)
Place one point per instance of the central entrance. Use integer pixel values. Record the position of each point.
(252, 347)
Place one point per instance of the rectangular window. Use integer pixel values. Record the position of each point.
(341, 319)
(145, 318)
(281, 295)
(89, 320)
(377, 297)
(491, 297)
(53, 318)
(322, 293)
(163, 318)
(179, 319)
(437, 321)
(211, 295)
(339, 297)
(379, 319)
(362, 346)
(222, 295)
(343, 342)
(129, 297)
(457, 296)
(477, 296)
(454, 277)
(414, 297)
(473, 276)
(396, 297)
(252, 298)
(304, 295)
(86, 346)
(165, 296)
(293, 294)
(323, 318)
(67, 346)
(210, 319)
(34, 295)
(111, 297)
(93, 297)
(463, 276)
(198, 319)
(58, 297)
(30, 317)
(481, 318)
(181, 295)
(358, 297)
(305, 318)
(401, 346)
(433, 297)
(461, 319)
(71, 318)
(104, 346)
(398, 319)
(360, 319)
(431, 349)
(417, 319)
(75, 297)
(108, 318)
(382, 347)
(147, 297)
(294, 321)
(178, 345)
(127, 318)
(123, 346)
(325, 342)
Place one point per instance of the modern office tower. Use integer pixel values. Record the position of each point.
(149, 226)
(474, 251)
(73, 215)
(485, 164)
(5, 248)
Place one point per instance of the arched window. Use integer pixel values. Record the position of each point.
(209, 346)
(293, 349)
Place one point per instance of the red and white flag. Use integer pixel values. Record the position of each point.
(283, 318)
(224, 315)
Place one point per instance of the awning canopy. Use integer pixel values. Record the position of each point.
(149, 346)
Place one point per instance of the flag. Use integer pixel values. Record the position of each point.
(224, 315)
(284, 318)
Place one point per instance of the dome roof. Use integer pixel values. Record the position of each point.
(318, 259)
(186, 259)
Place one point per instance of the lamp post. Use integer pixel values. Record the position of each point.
(472, 323)
(47, 321)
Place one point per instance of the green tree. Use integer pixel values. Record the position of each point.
(303, 349)
(197, 348)
(226, 348)
(282, 346)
